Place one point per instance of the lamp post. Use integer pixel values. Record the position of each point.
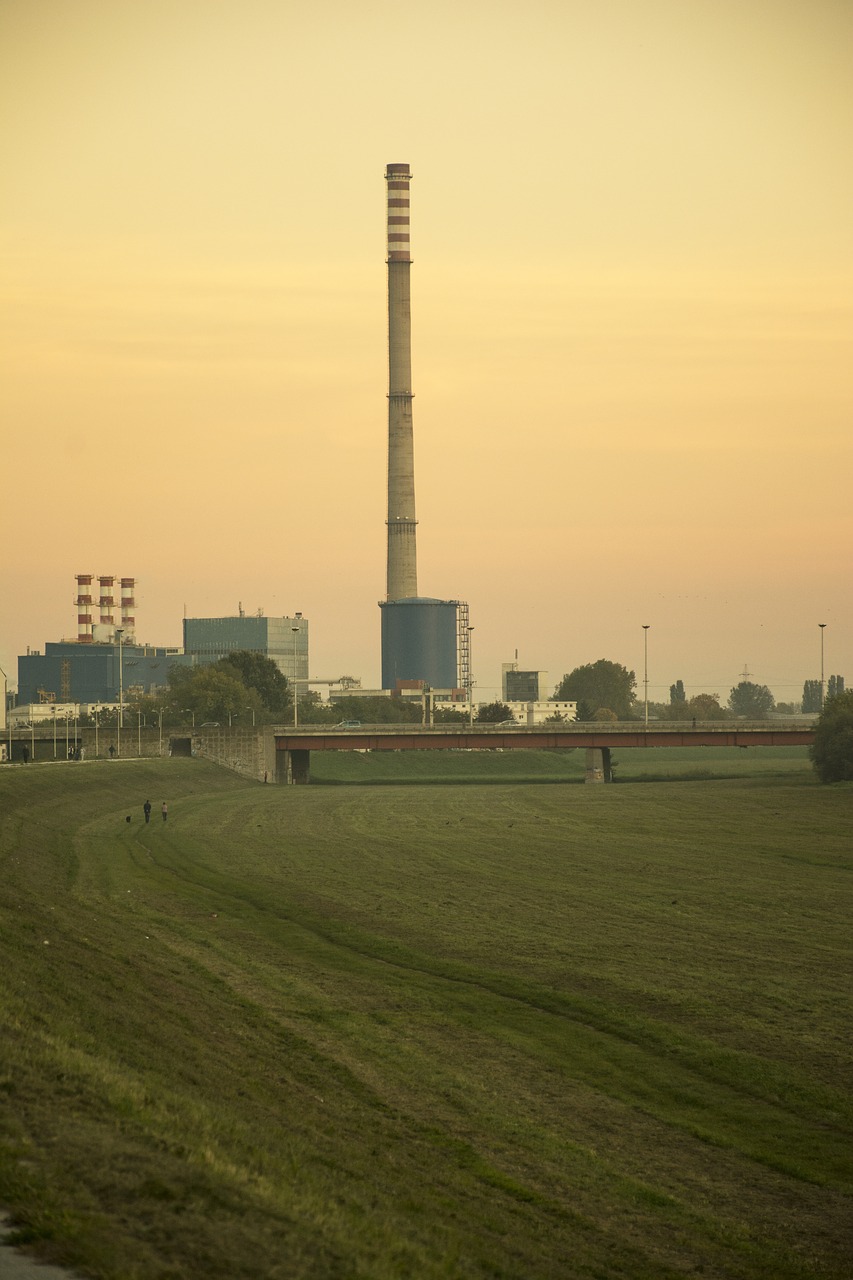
(6, 710)
(296, 689)
(32, 735)
(67, 743)
(120, 634)
(646, 671)
(95, 715)
(139, 718)
(470, 679)
(53, 709)
(822, 626)
(160, 717)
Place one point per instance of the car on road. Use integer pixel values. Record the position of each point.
(348, 724)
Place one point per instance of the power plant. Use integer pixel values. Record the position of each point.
(423, 639)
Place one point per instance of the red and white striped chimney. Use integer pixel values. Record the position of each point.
(107, 602)
(398, 177)
(84, 608)
(128, 605)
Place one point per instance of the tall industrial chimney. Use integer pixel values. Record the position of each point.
(402, 566)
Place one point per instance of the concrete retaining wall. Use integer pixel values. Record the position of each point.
(249, 752)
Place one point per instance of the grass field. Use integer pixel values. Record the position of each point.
(634, 764)
(504, 1029)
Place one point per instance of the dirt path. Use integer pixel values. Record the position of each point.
(15, 1265)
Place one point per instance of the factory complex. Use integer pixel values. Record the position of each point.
(425, 640)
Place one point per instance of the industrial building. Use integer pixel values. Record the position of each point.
(104, 659)
(93, 672)
(423, 638)
(523, 686)
(284, 640)
(105, 662)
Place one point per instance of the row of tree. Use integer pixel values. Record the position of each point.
(812, 700)
(248, 685)
(605, 690)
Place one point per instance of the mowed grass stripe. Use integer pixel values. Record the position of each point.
(361, 1044)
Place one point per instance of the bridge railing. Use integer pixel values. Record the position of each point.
(562, 727)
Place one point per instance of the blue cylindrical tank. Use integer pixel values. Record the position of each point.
(419, 641)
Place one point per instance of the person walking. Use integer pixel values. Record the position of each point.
(165, 811)
(146, 809)
(25, 755)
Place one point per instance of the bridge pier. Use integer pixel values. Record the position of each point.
(598, 765)
(293, 768)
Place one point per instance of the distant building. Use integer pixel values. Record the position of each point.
(540, 712)
(69, 672)
(523, 686)
(284, 640)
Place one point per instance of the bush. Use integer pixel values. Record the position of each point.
(832, 750)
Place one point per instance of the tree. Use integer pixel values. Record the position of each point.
(605, 716)
(213, 692)
(379, 710)
(493, 713)
(448, 715)
(706, 706)
(261, 674)
(599, 684)
(754, 701)
(676, 692)
(313, 710)
(834, 686)
(832, 750)
(811, 697)
(583, 711)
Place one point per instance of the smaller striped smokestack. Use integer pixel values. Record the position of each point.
(402, 565)
(107, 600)
(84, 608)
(128, 605)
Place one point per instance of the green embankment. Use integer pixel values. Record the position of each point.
(634, 764)
(504, 1030)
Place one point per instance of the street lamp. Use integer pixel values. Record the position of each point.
(95, 715)
(160, 716)
(822, 626)
(470, 679)
(67, 743)
(6, 709)
(53, 709)
(139, 718)
(295, 631)
(646, 626)
(120, 633)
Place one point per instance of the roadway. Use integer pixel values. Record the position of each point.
(396, 737)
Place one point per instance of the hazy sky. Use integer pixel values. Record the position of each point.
(632, 284)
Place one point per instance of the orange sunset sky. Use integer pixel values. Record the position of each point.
(631, 232)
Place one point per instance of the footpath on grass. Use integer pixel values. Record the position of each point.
(15, 1265)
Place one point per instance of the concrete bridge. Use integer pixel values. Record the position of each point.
(293, 747)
